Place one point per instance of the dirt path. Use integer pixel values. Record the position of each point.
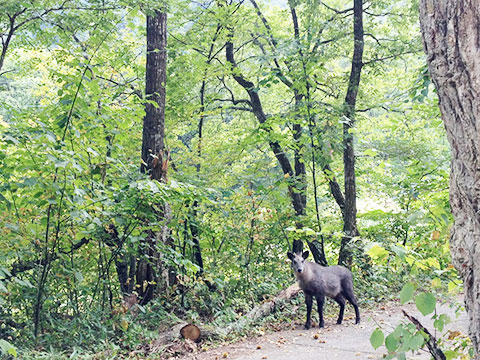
(346, 341)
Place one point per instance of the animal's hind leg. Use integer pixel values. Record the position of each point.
(320, 302)
(340, 301)
(352, 300)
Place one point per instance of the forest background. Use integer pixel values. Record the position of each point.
(298, 120)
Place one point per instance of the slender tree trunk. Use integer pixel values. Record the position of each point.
(451, 33)
(154, 156)
(6, 41)
(350, 211)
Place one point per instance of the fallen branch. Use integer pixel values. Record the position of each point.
(431, 341)
(264, 309)
(197, 333)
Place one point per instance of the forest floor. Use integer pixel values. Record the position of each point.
(346, 341)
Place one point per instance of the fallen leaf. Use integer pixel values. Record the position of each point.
(453, 334)
(225, 355)
(259, 347)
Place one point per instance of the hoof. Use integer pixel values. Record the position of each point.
(307, 326)
(321, 326)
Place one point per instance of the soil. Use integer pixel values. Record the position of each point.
(345, 341)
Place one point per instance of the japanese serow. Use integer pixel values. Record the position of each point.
(318, 281)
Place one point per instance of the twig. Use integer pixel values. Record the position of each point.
(431, 341)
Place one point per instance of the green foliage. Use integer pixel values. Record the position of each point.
(408, 337)
(7, 348)
(74, 207)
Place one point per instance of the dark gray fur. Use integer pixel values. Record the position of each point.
(318, 281)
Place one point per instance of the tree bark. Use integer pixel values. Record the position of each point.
(154, 157)
(153, 144)
(350, 210)
(451, 33)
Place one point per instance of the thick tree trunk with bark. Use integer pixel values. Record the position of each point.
(451, 33)
(154, 122)
(154, 156)
(350, 210)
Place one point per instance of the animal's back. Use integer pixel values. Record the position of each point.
(332, 279)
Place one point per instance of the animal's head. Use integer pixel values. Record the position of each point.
(298, 261)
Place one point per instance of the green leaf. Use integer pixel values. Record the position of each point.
(61, 164)
(62, 121)
(416, 342)
(438, 324)
(451, 354)
(407, 293)
(391, 342)
(79, 276)
(425, 303)
(376, 339)
(433, 262)
(453, 286)
(378, 253)
(3, 198)
(7, 348)
(370, 152)
(308, 231)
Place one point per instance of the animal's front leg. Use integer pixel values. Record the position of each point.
(308, 301)
(320, 302)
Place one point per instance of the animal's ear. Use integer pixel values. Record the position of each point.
(305, 254)
(290, 255)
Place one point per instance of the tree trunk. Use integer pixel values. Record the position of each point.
(194, 230)
(153, 145)
(154, 157)
(350, 211)
(451, 32)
